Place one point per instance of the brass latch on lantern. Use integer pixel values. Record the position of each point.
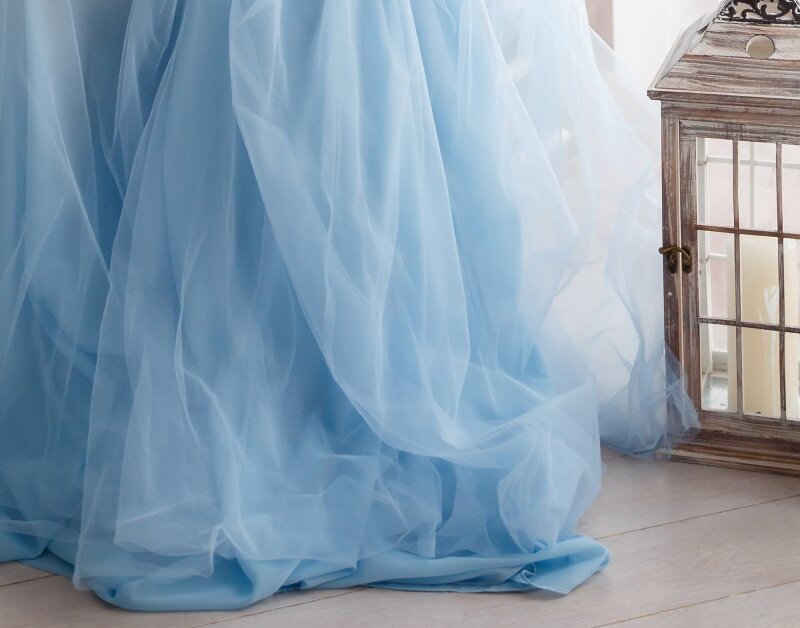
(673, 254)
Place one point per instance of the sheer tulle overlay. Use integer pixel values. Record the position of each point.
(319, 294)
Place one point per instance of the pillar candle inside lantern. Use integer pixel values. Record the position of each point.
(760, 349)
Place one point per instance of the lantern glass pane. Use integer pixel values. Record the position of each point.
(715, 182)
(716, 273)
(761, 390)
(793, 377)
(758, 196)
(791, 282)
(760, 295)
(718, 368)
(791, 188)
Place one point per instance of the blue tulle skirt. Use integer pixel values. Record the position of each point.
(319, 294)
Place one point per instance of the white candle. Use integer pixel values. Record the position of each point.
(760, 304)
(791, 292)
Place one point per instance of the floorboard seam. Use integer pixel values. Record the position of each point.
(272, 610)
(608, 536)
(44, 577)
(678, 608)
(709, 514)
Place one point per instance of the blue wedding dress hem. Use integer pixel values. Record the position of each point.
(236, 583)
(321, 294)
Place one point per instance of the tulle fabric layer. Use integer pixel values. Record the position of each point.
(317, 294)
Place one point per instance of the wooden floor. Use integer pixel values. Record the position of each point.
(691, 546)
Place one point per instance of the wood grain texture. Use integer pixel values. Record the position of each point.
(55, 602)
(639, 494)
(777, 607)
(680, 535)
(11, 573)
(734, 121)
(728, 448)
(670, 190)
(730, 440)
(711, 88)
(730, 40)
(690, 293)
(654, 570)
(710, 64)
(724, 127)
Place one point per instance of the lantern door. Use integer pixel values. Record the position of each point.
(739, 230)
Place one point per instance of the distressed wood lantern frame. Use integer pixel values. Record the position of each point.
(734, 76)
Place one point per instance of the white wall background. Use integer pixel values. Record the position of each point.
(644, 30)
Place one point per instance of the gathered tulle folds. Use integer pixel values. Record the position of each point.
(602, 139)
(320, 294)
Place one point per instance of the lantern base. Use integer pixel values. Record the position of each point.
(723, 449)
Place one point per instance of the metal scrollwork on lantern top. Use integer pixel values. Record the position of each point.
(762, 11)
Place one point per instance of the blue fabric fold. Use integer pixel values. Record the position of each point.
(320, 294)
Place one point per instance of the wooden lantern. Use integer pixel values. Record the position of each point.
(730, 94)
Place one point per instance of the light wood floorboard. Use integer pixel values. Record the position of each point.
(689, 545)
(778, 607)
(638, 494)
(12, 573)
(54, 602)
(654, 570)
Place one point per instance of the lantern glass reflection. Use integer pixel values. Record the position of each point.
(758, 196)
(716, 275)
(793, 377)
(719, 376)
(791, 187)
(715, 182)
